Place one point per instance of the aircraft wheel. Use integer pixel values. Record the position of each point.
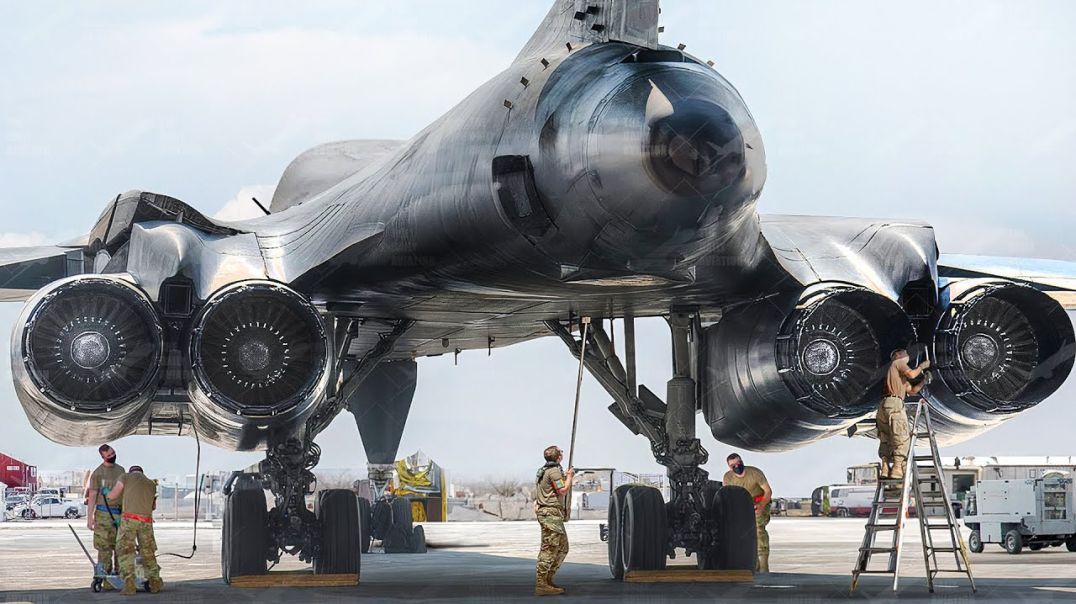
(1034, 547)
(245, 534)
(1070, 543)
(645, 533)
(737, 537)
(338, 511)
(975, 542)
(381, 519)
(418, 540)
(1014, 542)
(615, 524)
(397, 539)
(366, 519)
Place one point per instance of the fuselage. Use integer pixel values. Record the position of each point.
(607, 168)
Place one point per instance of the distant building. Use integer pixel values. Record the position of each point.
(17, 474)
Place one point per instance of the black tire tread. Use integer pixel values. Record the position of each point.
(737, 537)
(615, 525)
(338, 512)
(245, 535)
(366, 520)
(645, 529)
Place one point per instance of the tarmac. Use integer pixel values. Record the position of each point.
(812, 559)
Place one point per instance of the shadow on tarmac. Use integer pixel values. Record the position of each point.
(474, 577)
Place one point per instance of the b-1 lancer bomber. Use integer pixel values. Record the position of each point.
(602, 175)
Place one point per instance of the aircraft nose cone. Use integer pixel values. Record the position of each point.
(695, 147)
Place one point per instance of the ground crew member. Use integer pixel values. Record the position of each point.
(892, 419)
(139, 495)
(549, 506)
(102, 518)
(752, 479)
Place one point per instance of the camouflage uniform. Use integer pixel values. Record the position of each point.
(106, 515)
(139, 501)
(753, 480)
(549, 508)
(894, 434)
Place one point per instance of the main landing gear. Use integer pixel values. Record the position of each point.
(331, 536)
(715, 523)
(254, 535)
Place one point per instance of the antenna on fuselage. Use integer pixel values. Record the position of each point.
(259, 204)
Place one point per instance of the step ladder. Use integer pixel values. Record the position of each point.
(924, 481)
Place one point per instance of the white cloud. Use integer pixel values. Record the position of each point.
(23, 239)
(242, 207)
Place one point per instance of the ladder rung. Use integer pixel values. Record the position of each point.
(878, 550)
(923, 458)
(936, 526)
(944, 550)
(952, 570)
(882, 527)
(874, 572)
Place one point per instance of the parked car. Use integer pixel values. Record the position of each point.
(14, 501)
(51, 506)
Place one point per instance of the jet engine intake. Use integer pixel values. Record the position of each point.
(778, 374)
(85, 359)
(999, 348)
(260, 361)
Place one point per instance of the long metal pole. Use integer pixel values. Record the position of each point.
(578, 388)
(575, 413)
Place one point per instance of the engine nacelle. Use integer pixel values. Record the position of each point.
(260, 360)
(85, 358)
(999, 348)
(778, 374)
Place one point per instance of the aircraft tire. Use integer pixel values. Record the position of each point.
(245, 534)
(737, 543)
(418, 540)
(338, 512)
(401, 514)
(645, 534)
(366, 520)
(399, 534)
(615, 526)
(707, 558)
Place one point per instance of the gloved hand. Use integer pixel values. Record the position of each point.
(105, 491)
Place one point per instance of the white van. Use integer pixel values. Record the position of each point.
(850, 500)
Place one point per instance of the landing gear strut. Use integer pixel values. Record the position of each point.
(330, 536)
(701, 516)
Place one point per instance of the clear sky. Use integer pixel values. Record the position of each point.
(961, 113)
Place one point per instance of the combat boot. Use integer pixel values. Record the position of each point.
(552, 584)
(542, 587)
(129, 588)
(156, 585)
